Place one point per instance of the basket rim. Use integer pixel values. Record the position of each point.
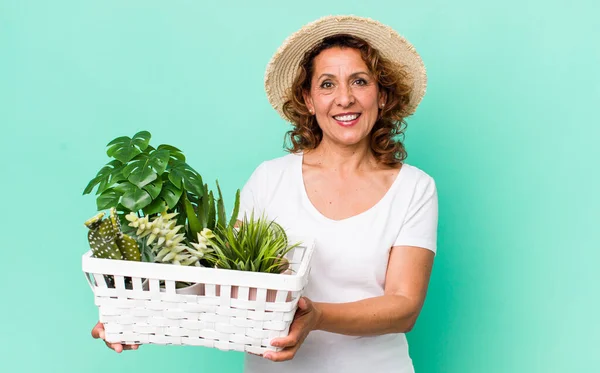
(164, 271)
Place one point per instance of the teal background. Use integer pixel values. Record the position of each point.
(508, 128)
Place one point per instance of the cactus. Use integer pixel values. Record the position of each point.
(164, 240)
(108, 241)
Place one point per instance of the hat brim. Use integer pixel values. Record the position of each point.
(283, 67)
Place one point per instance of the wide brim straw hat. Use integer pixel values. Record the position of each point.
(283, 67)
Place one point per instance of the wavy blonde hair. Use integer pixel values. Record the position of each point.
(387, 134)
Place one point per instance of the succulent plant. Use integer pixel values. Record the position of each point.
(108, 241)
(257, 245)
(162, 235)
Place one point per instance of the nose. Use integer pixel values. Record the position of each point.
(345, 98)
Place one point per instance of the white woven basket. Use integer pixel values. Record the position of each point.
(225, 309)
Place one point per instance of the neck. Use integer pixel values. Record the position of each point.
(343, 159)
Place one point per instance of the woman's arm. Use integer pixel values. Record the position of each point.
(407, 279)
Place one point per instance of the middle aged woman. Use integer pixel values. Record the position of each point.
(347, 84)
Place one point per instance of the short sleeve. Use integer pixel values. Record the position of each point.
(421, 222)
(251, 195)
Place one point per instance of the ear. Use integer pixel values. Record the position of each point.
(382, 98)
(308, 101)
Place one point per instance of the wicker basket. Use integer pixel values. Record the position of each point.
(139, 303)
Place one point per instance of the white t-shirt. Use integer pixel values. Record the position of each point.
(349, 262)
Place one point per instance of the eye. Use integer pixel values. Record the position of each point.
(326, 84)
(360, 81)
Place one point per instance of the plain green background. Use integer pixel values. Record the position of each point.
(508, 128)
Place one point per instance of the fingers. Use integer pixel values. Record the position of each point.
(98, 330)
(292, 338)
(118, 347)
(305, 306)
(287, 354)
(285, 342)
(98, 333)
(290, 345)
(297, 329)
(304, 303)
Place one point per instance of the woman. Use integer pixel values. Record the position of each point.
(374, 218)
(346, 84)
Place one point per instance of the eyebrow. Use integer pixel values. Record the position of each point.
(353, 75)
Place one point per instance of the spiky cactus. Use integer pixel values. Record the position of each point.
(108, 241)
(164, 240)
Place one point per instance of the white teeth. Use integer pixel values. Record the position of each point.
(346, 118)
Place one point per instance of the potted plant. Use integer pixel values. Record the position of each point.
(168, 239)
(257, 245)
(149, 181)
(156, 200)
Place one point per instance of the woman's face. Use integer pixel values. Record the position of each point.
(344, 96)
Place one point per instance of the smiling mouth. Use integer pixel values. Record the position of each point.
(346, 118)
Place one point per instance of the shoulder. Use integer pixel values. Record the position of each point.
(277, 166)
(269, 177)
(422, 180)
(283, 162)
(272, 171)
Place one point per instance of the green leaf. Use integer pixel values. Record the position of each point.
(221, 217)
(109, 198)
(181, 174)
(157, 206)
(211, 217)
(180, 209)
(175, 153)
(144, 168)
(170, 194)
(88, 189)
(159, 160)
(236, 209)
(193, 199)
(105, 177)
(154, 188)
(206, 206)
(142, 176)
(125, 187)
(115, 176)
(202, 213)
(136, 199)
(193, 221)
(124, 148)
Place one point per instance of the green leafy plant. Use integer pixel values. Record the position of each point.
(257, 245)
(143, 178)
(148, 181)
(169, 215)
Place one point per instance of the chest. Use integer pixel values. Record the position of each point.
(339, 197)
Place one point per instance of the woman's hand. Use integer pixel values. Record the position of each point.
(306, 319)
(98, 332)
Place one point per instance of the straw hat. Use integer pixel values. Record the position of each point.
(283, 66)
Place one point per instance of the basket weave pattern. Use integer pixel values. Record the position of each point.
(230, 310)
